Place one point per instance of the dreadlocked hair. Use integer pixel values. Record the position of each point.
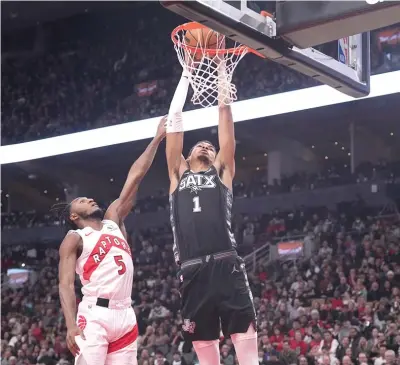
(63, 211)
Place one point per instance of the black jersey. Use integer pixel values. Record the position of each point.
(200, 212)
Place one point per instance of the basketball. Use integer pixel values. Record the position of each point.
(202, 38)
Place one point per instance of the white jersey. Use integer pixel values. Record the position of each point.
(105, 265)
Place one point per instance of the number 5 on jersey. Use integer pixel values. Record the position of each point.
(196, 204)
(121, 264)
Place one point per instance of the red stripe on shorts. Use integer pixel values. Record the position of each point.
(124, 341)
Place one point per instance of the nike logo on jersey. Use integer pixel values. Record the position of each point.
(197, 182)
(88, 234)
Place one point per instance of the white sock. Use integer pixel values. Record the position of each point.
(246, 346)
(207, 352)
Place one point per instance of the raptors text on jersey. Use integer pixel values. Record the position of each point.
(105, 265)
(200, 213)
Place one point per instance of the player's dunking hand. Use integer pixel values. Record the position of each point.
(71, 343)
(190, 62)
(220, 58)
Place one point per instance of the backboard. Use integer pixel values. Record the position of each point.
(287, 37)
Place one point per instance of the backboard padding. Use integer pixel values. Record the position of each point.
(310, 23)
(243, 25)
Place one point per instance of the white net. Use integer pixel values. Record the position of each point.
(210, 71)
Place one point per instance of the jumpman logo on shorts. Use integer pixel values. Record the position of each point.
(234, 269)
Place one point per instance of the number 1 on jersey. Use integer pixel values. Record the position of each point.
(196, 204)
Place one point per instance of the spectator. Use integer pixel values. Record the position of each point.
(287, 355)
(158, 311)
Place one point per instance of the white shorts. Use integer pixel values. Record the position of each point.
(111, 333)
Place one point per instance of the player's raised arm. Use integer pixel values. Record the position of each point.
(68, 255)
(225, 161)
(175, 161)
(120, 208)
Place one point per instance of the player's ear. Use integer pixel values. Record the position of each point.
(73, 217)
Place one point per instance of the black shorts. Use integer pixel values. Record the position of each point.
(216, 294)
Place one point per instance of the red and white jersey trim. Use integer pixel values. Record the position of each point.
(105, 265)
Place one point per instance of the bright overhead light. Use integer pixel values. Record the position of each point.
(336, 143)
(312, 146)
(326, 157)
(391, 133)
(267, 106)
(343, 148)
(349, 154)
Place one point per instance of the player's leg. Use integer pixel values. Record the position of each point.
(246, 346)
(123, 356)
(93, 350)
(122, 349)
(238, 317)
(200, 317)
(207, 352)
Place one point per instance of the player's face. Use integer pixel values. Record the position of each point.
(85, 208)
(204, 151)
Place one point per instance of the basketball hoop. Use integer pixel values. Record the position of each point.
(210, 69)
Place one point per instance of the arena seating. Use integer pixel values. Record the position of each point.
(92, 73)
(333, 175)
(349, 289)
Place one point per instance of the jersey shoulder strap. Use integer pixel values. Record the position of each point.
(109, 221)
(109, 225)
(186, 172)
(73, 231)
(82, 232)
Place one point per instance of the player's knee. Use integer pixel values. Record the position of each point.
(248, 335)
(203, 344)
(207, 352)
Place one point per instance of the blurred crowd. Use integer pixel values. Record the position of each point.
(101, 69)
(340, 305)
(256, 185)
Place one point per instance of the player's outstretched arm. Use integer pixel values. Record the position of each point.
(175, 161)
(120, 208)
(225, 161)
(66, 272)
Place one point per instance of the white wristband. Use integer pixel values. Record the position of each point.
(174, 123)
(175, 120)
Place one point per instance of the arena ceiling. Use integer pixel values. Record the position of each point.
(23, 14)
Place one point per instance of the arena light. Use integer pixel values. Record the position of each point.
(384, 84)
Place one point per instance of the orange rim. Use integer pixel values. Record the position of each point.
(212, 51)
(266, 14)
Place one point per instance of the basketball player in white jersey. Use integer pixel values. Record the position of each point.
(104, 330)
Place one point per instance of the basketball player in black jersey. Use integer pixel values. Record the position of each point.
(214, 286)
